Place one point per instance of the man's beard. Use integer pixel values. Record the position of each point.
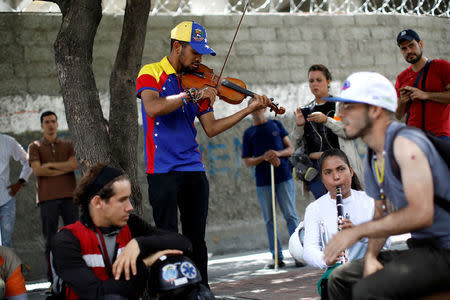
(413, 61)
(185, 69)
(361, 132)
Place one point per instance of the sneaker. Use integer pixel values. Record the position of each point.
(281, 264)
(299, 264)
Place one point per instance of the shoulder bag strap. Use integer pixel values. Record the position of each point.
(416, 84)
(424, 80)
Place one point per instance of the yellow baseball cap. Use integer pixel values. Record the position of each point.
(195, 34)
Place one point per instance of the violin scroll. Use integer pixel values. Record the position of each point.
(274, 107)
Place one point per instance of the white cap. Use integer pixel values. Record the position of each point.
(368, 87)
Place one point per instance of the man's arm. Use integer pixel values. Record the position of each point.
(40, 170)
(35, 162)
(213, 127)
(148, 244)
(67, 166)
(254, 161)
(71, 267)
(371, 263)
(155, 105)
(152, 239)
(20, 155)
(417, 94)
(402, 102)
(288, 148)
(269, 156)
(418, 187)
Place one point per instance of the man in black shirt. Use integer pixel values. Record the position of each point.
(106, 254)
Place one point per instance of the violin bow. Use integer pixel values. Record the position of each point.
(232, 42)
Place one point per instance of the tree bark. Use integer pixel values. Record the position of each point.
(123, 111)
(73, 56)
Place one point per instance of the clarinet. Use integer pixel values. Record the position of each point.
(340, 220)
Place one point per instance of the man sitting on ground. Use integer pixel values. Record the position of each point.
(91, 254)
(12, 281)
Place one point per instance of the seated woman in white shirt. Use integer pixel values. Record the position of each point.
(320, 221)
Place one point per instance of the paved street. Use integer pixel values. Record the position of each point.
(243, 276)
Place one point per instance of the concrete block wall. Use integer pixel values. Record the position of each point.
(272, 54)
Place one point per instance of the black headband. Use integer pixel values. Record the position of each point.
(106, 175)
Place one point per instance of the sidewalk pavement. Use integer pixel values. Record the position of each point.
(242, 276)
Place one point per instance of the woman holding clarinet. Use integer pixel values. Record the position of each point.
(343, 206)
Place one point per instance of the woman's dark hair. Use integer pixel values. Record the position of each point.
(356, 185)
(321, 68)
(80, 194)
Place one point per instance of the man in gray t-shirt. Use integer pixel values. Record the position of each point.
(405, 202)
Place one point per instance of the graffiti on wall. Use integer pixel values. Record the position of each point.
(215, 162)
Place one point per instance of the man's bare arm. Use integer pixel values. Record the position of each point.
(417, 94)
(418, 214)
(213, 127)
(371, 264)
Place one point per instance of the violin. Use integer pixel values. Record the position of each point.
(230, 90)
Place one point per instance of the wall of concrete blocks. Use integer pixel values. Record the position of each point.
(272, 54)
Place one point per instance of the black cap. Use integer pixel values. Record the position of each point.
(408, 35)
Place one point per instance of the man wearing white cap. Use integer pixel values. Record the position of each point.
(174, 167)
(412, 198)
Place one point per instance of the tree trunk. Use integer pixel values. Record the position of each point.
(123, 111)
(73, 56)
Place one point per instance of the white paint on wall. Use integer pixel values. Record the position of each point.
(21, 113)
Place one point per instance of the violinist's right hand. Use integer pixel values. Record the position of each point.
(299, 118)
(208, 92)
(259, 102)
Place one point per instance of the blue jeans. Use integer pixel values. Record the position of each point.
(285, 195)
(7, 219)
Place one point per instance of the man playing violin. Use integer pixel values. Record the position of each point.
(175, 171)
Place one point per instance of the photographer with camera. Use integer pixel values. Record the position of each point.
(316, 130)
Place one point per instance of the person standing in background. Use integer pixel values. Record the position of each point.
(267, 143)
(316, 128)
(10, 149)
(423, 89)
(53, 162)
